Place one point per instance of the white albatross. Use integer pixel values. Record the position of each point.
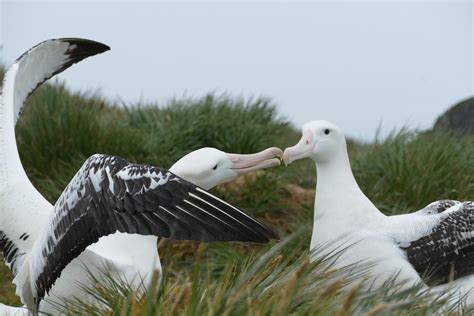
(436, 241)
(108, 194)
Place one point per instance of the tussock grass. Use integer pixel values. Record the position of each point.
(65, 128)
(279, 280)
(409, 170)
(59, 130)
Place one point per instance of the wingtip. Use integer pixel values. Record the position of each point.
(85, 47)
(273, 235)
(267, 235)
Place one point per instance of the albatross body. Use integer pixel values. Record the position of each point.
(437, 240)
(45, 245)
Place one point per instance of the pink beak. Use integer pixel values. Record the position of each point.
(247, 163)
(304, 148)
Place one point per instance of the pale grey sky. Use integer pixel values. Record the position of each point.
(357, 63)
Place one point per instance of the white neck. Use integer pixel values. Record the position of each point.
(204, 183)
(338, 196)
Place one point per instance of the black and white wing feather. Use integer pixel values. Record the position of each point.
(109, 194)
(45, 60)
(447, 252)
(12, 250)
(27, 73)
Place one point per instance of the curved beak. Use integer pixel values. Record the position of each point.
(304, 148)
(267, 158)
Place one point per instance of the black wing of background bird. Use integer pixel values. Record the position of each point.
(22, 78)
(45, 60)
(447, 252)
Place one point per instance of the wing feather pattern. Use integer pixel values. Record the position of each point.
(26, 74)
(109, 194)
(447, 252)
(45, 60)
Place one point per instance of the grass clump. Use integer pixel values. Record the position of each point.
(409, 170)
(279, 280)
(63, 129)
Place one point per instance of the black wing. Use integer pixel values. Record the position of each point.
(43, 61)
(109, 194)
(447, 253)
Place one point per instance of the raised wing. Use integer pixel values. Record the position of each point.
(45, 60)
(109, 194)
(447, 252)
(28, 72)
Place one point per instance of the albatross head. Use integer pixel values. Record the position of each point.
(321, 140)
(208, 167)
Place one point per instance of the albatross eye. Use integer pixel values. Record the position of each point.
(215, 167)
(326, 131)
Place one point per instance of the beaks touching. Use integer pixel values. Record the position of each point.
(304, 148)
(267, 158)
(272, 157)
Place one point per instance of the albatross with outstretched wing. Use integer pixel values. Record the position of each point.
(109, 194)
(30, 225)
(22, 205)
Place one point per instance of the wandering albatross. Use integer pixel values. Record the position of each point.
(436, 241)
(108, 194)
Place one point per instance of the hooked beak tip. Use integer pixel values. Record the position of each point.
(286, 158)
(269, 157)
(277, 152)
(302, 149)
(272, 152)
(273, 162)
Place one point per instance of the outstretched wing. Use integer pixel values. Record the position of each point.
(28, 72)
(45, 60)
(109, 194)
(447, 252)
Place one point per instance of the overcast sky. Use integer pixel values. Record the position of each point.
(356, 63)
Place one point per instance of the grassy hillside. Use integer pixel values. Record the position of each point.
(59, 130)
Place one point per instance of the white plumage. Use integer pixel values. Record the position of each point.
(437, 239)
(23, 208)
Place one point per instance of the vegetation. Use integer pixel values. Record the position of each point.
(60, 129)
(459, 117)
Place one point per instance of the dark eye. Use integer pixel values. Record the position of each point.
(326, 131)
(214, 168)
